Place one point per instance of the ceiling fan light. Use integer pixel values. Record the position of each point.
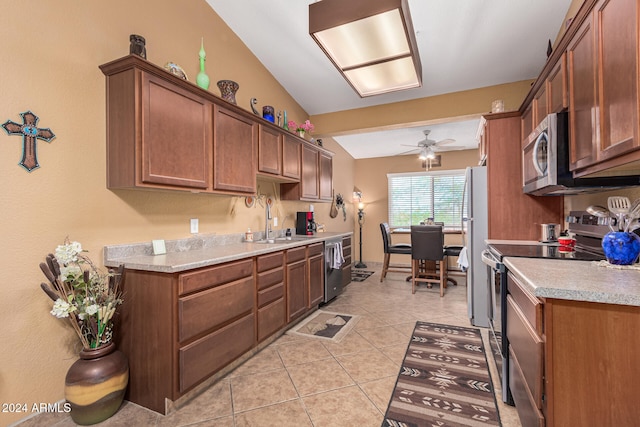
(430, 154)
(424, 155)
(371, 43)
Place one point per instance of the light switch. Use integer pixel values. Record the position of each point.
(194, 225)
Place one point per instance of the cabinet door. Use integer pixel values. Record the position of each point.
(583, 120)
(296, 289)
(316, 275)
(234, 152)
(527, 122)
(326, 177)
(346, 267)
(309, 181)
(618, 76)
(269, 151)
(291, 149)
(557, 86)
(175, 141)
(540, 104)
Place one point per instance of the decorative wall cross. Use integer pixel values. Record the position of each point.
(30, 134)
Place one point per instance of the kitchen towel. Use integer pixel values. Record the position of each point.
(463, 261)
(337, 259)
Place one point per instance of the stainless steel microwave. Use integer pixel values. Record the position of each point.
(545, 163)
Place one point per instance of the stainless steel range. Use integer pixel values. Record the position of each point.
(588, 231)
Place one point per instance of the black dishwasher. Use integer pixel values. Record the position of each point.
(333, 260)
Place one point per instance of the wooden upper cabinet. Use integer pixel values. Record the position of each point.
(583, 99)
(527, 123)
(325, 179)
(234, 142)
(316, 182)
(540, 105)
(557, 87)
(310, 168)
(270, 150)
(149, 144)
(617, 32)
(291, 152)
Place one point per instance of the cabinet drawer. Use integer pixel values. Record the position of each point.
(270, 278)
(209, 354)
(529, 414)
(315, 249)
(213, 276)
(346, 241)
(269, 261)
(205, 310)
(267, 295)
(528, 347)
(296, 254)
(530, 306)
(271, 318)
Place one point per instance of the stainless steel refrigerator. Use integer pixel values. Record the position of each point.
(475, 229)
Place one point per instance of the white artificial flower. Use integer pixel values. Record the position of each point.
(66, 254)
(62, 308)
(65, 271)
(92, 309)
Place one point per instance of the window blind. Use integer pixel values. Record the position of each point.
(416, 197)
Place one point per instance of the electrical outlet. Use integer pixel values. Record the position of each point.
(275, 221)
(194, 225)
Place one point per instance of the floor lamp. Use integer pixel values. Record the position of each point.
(360, 264)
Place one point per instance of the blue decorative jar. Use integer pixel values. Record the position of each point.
(621, 248)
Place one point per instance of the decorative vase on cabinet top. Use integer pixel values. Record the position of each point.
(202, 79)
(228, 89)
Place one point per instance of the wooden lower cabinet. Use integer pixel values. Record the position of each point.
(346, 267)
(315, 265)
(271, 294)
(179, 329)
(572, 363)
(296, 279)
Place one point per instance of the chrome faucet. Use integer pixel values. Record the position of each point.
(267, 218)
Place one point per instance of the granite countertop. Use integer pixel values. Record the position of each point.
(577, 280)
(201, 251)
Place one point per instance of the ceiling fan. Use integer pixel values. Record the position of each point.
(429, 147)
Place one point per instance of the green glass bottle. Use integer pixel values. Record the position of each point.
(285, 125)
(202, 79)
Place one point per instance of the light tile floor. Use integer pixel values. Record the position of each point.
(299, 382)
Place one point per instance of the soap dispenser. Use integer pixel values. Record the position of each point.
(248, 236)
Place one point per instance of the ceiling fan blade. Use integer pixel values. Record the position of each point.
(445, 141)
(407, 145)
(408, 152)
(450, 148)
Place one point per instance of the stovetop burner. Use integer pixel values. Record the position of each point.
(587, 229)
(543, 251)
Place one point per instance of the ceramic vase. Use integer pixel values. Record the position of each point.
(621, 248)
(228, 89)
(268, 113)
(301, 133)
(202, 79)
(95, 384)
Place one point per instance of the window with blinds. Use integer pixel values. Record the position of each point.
(416, 197)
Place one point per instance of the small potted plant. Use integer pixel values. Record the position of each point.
(301, 128)
(88, 298)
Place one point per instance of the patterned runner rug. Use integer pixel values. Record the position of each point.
(360, 275)
(444, 381)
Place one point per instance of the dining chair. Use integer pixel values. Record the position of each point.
(427, 246)
(389, 248)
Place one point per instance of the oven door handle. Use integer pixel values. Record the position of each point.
(489, 259)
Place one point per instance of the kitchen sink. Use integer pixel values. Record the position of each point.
(284, 240)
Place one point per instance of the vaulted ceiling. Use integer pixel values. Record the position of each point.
(463, 44)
